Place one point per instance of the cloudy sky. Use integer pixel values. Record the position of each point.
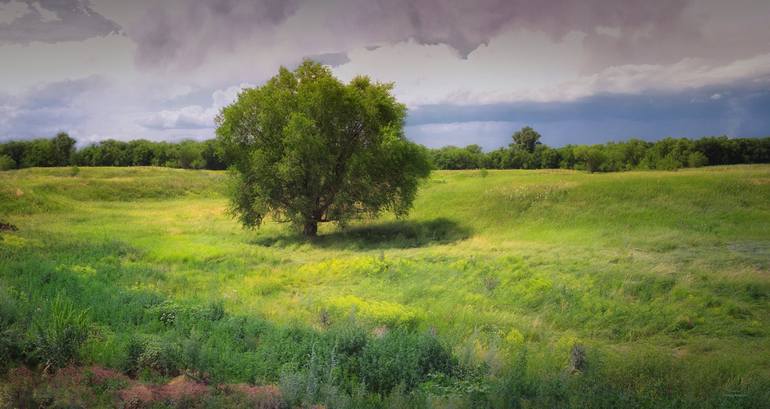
(471, 71)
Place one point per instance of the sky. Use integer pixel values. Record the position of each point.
(470, 71)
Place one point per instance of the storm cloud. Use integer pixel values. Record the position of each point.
(52, 21)
(469, 71)
(184, 32)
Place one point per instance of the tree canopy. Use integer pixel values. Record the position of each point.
(526, 138)
(307, 148)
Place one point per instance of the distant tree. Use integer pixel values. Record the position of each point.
(140, 152)
(190, 156)
(526, 138)
(548, 158)
(14, 150)
(62, 149)
(452, 157)
(591, 157)
(697, 159)
(307, 148)
(37, 152)
(212, 155)
(7, 162)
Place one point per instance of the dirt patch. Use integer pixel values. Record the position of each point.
(136, 396)
(98, 375)
(760, 181)
(261, 393)
(8, 227)
(79, 385)
(180, 388)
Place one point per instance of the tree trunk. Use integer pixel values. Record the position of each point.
(310, 229)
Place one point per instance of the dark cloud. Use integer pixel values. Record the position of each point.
(172, 34)
(52, 21)
(45, 110)
(184, 33)
(330, 59)
(466, 25)
(741, 110)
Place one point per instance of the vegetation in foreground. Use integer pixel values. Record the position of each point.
(502, 289)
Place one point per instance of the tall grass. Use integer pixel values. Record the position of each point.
(476, 300)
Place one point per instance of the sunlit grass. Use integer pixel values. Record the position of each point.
(669, 263)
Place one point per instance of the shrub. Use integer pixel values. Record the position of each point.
(697, 159)
(10, 339)
(404, 358)
(668, 163)
(159, 356)
(7, 162)
(58, 336)
(74, 171)
(215, 311)
(134, 350)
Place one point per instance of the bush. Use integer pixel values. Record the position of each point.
(668, 163)
(10, 339)
(158, 356)
(215, 311)
(697, 159)
(404, 358)
(57, 337)
(7, 163)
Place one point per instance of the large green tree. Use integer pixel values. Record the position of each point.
(307, 148)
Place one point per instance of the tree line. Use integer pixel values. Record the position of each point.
(525, 152)
(61, 151)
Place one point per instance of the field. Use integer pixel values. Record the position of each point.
(661, 279)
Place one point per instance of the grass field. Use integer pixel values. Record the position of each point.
(663, 278)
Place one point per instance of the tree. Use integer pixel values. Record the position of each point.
(697, 159)
(526, 138)
(306, 148)
(591, 157)
(190, 155)
(7, 162)
(452, 157)
(63, 147)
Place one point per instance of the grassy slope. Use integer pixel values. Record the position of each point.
(675, 263)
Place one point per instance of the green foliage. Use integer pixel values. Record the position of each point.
(307, 148)
(63, 147)
(7, 162)
(659, 276)
(591, 158)
(697, 159)
(402, 358)
(452, 157)
(11, 341)
(526, 139)
(665, 154)
(58, 334)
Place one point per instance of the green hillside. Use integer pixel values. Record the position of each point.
(663, 278)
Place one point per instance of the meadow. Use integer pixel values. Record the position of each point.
(503, 288)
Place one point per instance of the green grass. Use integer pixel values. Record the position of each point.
(663, 276)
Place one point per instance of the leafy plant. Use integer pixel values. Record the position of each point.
(59, 334)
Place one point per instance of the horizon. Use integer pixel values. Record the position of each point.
(470, 73)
